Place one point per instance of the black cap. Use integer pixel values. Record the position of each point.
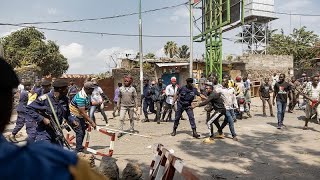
(59, 83)
(189, 80)
(9, 79)
(45, 83)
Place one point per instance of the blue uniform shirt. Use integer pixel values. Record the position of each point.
(35, 161)
(23, 101)
(41, 106)
(147, 92)
(186, 95)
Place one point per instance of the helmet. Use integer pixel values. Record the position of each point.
(238, 78)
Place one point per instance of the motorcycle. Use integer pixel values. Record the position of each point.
(242, 105)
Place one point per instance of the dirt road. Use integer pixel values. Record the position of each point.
(262, 152)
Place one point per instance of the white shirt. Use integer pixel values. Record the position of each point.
(275, 79)
(20, 87)
(170, 92)
(229, 98)
(96, 95)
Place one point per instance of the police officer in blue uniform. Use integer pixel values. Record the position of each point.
(21, 119)
(147, 99)
(40, 111)
(185, 96)
(34, 160)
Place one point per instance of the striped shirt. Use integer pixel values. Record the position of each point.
(80, 100)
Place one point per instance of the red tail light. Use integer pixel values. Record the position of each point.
(241, 101)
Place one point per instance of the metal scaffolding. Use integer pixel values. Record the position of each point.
(216, 14)
(255, 36)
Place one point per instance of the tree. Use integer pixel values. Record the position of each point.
(29, 46)
(150, 56)
(183, 52)
(171, 49)
(302, 44)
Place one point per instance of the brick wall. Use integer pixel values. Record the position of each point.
(105, 84)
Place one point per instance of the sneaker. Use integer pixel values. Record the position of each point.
(305, 128)
(131, 130)
(208, 140)
(279, 127)
(235, 138)
(107, 124)
(114, 114)
(146, 120)
(220, 136)
(13, 139)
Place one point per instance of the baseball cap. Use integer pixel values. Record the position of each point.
(89, 85)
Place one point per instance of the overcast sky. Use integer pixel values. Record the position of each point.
(91, 53)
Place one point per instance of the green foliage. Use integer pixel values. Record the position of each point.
(183, 52)
(171, 49)
(29, 46)
(150, 56)
(302, 44)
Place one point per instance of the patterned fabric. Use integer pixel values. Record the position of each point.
(232, 84)
(313, 92)
(81, 99)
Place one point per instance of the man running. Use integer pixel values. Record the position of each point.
(219, 110)
(312, 94)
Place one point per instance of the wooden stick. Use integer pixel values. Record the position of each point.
(116, 130)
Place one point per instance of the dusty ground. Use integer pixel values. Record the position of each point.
(262, 152)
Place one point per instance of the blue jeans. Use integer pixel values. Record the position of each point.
(93, 109)
(80, 131)
(229, 120)
(281, 109)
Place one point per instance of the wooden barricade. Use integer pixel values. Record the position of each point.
(86, 146)
(166, 164)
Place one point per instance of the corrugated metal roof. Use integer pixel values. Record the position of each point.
(171, 64)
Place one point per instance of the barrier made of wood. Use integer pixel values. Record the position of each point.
(165, 165)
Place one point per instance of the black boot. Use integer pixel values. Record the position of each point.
(174, 132)
(194, 133)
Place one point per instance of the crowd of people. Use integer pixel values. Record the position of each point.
(64, 102)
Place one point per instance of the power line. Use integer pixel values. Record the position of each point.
(92, 32)
(103, 33)
(100, 18)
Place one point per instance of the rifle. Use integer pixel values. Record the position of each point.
(58, 132)
(56, 127)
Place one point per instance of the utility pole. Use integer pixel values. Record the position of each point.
(140, 55)
(191, 39)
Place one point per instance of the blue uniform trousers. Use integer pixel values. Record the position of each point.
(21, 119)
(30, 126)
(148, 103)
(180, 109)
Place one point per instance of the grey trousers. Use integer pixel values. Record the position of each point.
(123, 111)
